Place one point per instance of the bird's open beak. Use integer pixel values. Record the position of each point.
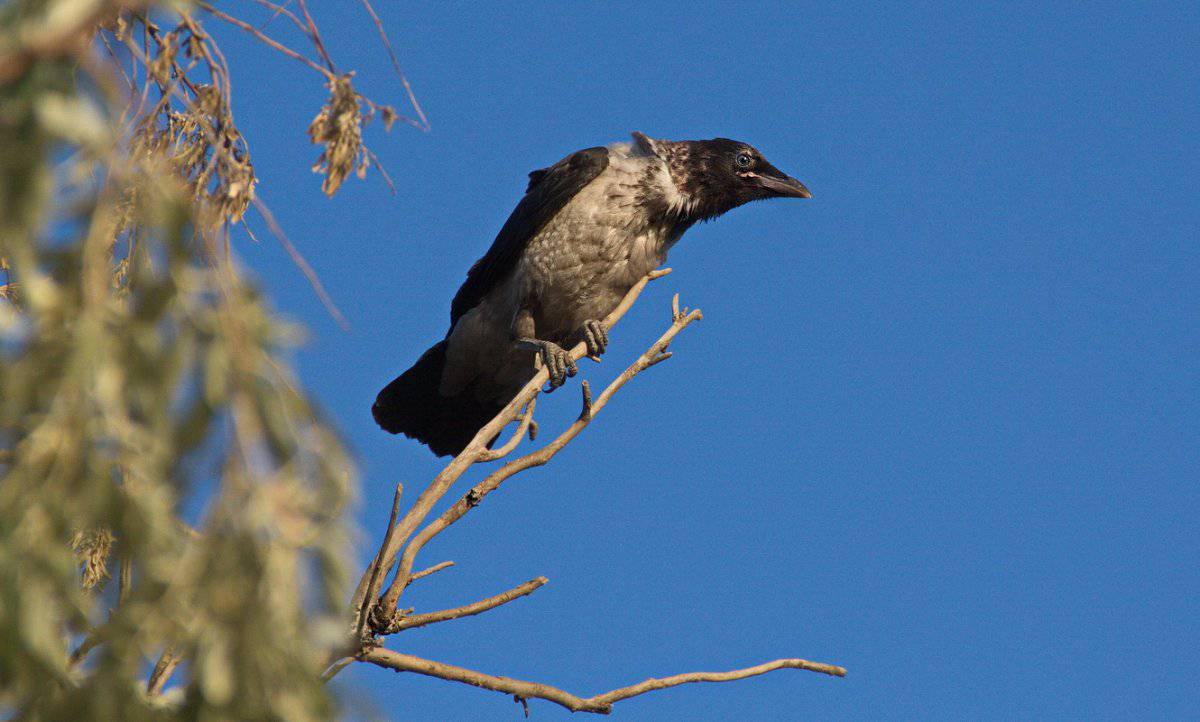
(784, 186)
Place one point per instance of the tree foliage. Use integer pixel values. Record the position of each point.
(144, 384)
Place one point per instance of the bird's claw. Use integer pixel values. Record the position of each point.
(559, 362)
(595, 335)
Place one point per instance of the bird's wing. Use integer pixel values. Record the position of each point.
(549, 190)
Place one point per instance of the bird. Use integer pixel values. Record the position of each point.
(588, 228)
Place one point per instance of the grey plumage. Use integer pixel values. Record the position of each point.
(587, 229)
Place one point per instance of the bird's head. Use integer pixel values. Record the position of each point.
(718, 175)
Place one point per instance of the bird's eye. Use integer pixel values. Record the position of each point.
(744, 160)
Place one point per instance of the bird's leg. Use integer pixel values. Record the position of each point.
(595, 335)
(554, 357)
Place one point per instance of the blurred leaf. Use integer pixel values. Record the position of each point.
(142, 383)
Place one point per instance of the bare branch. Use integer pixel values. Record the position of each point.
(432, 570)
(586, 412)
(506, 449)
(469, 455)
(382, 171)
(125, 583)
(315, 36)
(364, 607)
(483, 605)
(266, 39)
(412, 97)
(655, 354)
(301, 263)
(162, 672)
(652, 684)
(337, 666)
(601, 703)
(280, 9)
(90, 642)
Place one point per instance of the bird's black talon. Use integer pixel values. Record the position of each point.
(595, 335)
(558, 362)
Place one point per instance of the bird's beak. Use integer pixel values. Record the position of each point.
(784, 186)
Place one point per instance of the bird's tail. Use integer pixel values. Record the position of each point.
(411, 405)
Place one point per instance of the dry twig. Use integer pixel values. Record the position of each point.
(504, 450)
(302, 263)
(412, 97)
(601, 703)
(377, 565)
(432, 570)
(420, 620)
(266, 39)
(163, 670)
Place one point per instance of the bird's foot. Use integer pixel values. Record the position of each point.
(558, 361)
(595, 335)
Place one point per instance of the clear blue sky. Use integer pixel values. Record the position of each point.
(939, 424)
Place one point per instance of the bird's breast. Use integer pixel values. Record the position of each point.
(589, 255)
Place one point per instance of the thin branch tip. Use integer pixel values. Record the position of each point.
(431, 570)
(402, 620)
(586, 413)
(601, 703)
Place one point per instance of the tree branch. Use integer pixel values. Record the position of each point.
(265, 39)
(432, 570)
(162, 672)
(315, 36)
(412, 97)
(377, 567)
(483, 605)
(655, 354)
(502, 451)
(384, 617)
(301, 262)
(469, 455)
(601, 703)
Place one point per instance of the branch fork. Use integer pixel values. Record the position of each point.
(380, 615)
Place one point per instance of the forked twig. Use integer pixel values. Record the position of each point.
(386, 619)
(468, 456)
(364, 608)
(655, 354)
(507, 447)
(264, 38)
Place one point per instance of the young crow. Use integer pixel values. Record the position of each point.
(589, 227)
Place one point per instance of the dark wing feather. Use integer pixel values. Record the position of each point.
(549, 190)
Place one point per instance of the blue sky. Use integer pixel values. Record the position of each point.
(939, 424)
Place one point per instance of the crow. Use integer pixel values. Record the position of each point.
(589, 227)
